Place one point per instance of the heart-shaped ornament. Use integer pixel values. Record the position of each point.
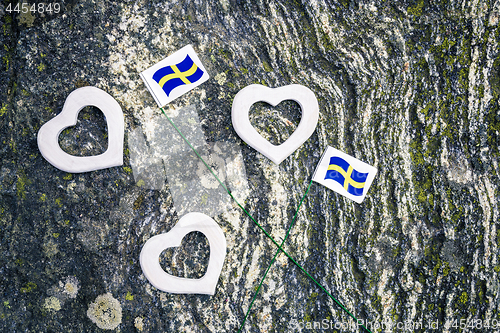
(150, 256)
(251, 94)
(48, 135)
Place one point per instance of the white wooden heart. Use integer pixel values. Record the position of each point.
(251, 94)
(150, 256)
(48, 135)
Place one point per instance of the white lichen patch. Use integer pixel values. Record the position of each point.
(220, 78)
(105, 312)
(52, 304)
(61, 292)
(70, 286)
(139, 324)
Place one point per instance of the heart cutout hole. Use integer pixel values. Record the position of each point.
(89, 137)
(275, 124)
(190, 259)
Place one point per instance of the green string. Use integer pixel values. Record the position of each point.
(275, 256)
(260, 227)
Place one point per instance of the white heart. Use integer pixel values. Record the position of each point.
(150, 256)
(251, 94)
(48, 135)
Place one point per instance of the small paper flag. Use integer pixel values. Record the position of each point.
(174, 75)
(344, 174)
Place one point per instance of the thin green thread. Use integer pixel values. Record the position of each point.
(274, 258)
(260, 227)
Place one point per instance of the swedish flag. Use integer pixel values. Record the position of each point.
(351, 177)
(173, 76)
(343, 173)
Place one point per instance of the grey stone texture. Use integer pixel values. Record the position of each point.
(411, 87)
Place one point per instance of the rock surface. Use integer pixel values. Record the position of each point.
(411, 87)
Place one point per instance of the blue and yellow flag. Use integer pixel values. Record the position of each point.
(175, 75)
(171, 77)
(344, 174)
